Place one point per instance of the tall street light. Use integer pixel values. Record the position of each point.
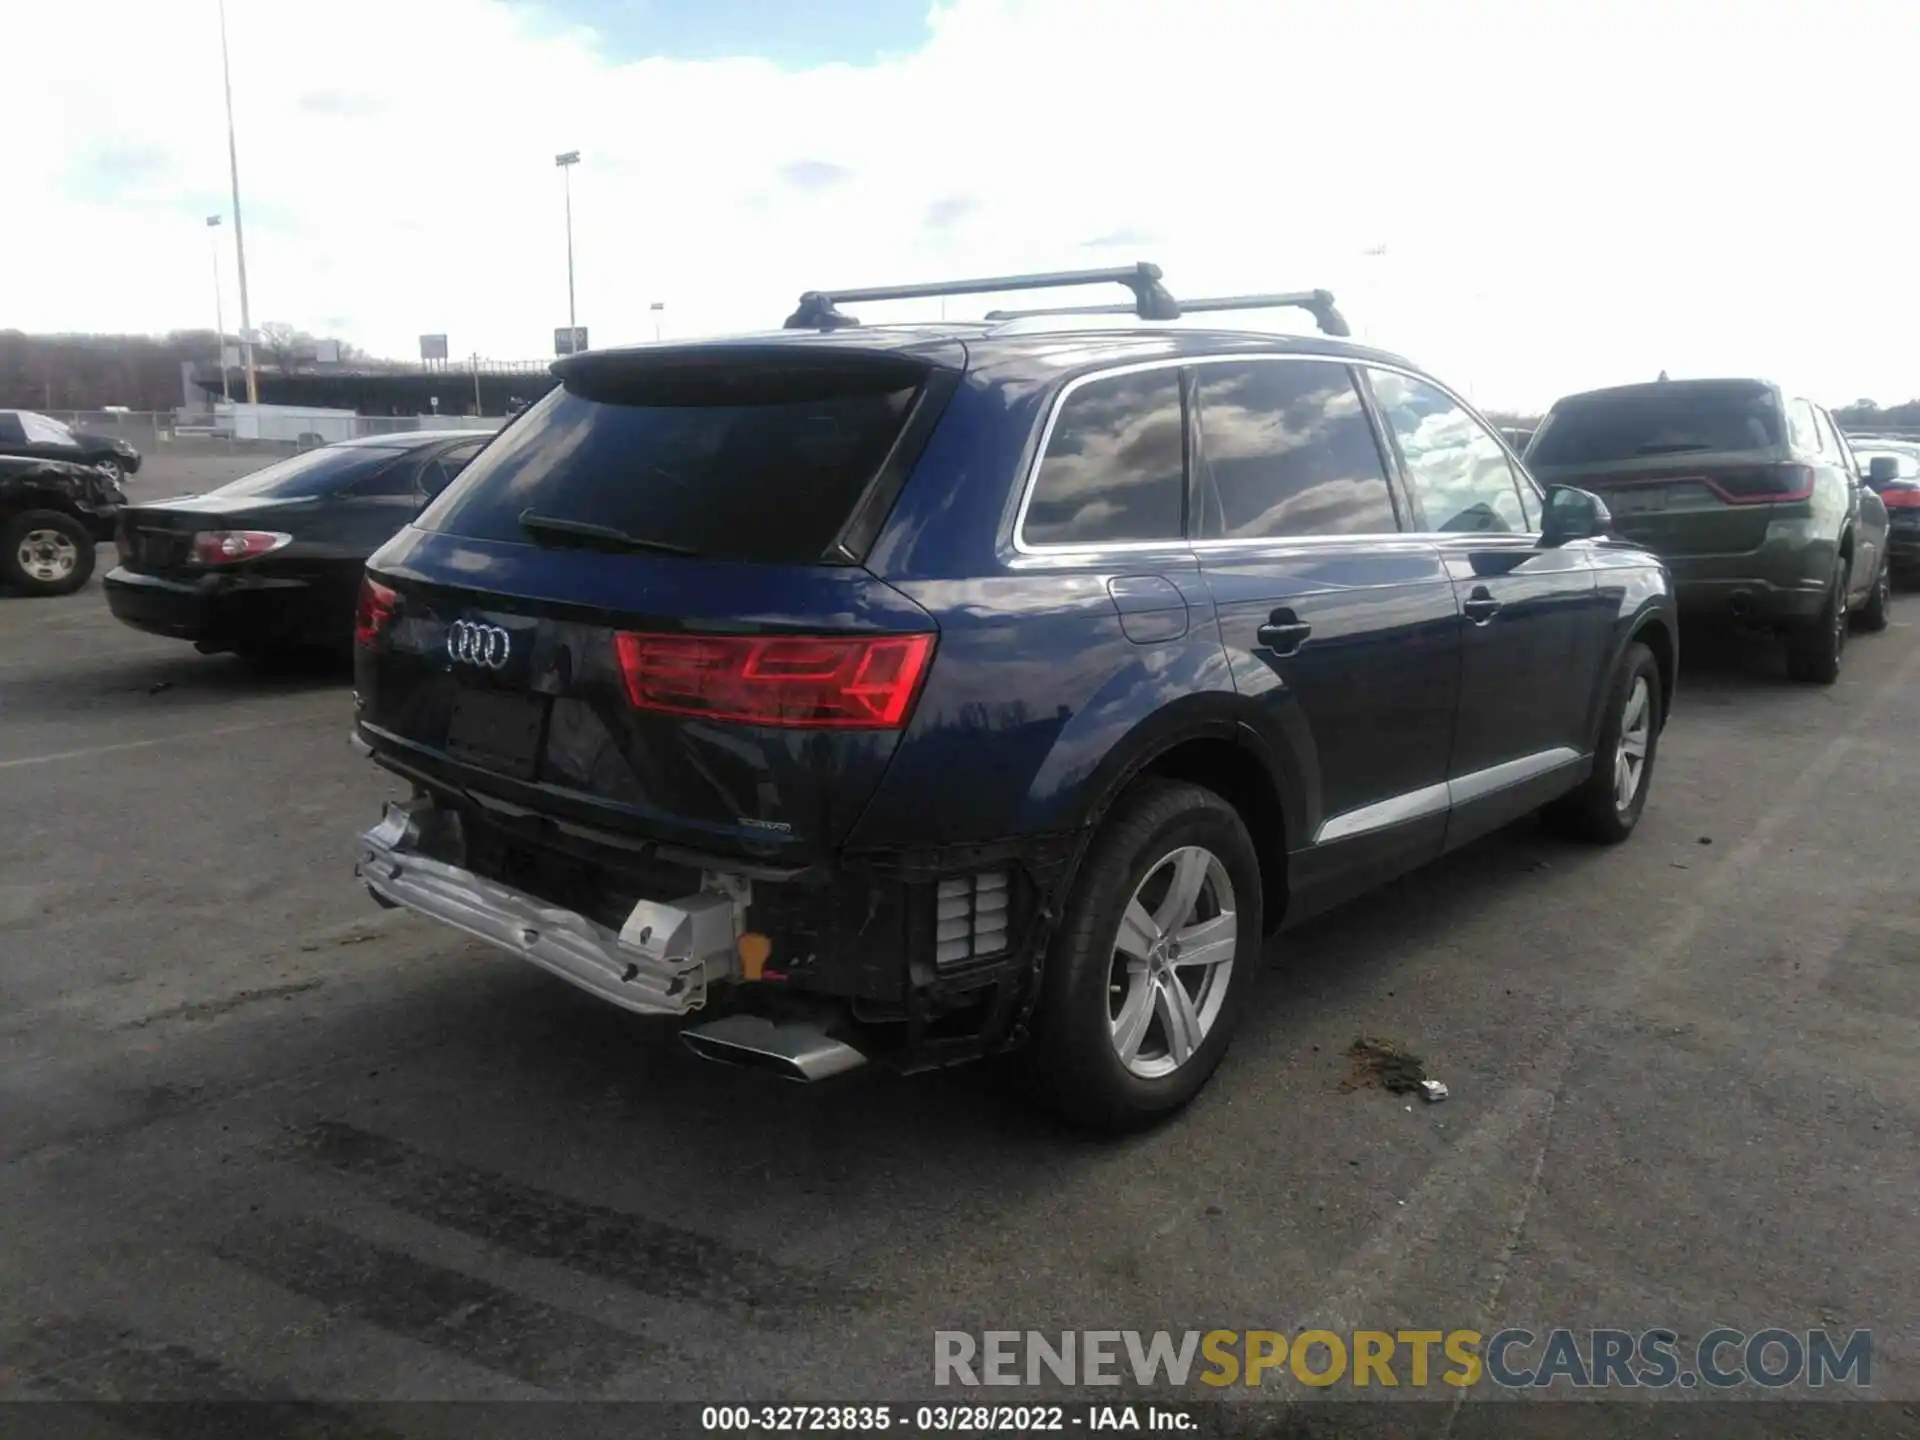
(239, 233)
(220, 315)
(566, 162)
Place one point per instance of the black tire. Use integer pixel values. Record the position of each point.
(1873, 615)
(1814, 648)
(1072, 1060)
(38, 577)
(1594, 812)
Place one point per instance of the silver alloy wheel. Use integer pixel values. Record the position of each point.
(48, 555)
(111, 469)
(1636, 729)
(1172, 961)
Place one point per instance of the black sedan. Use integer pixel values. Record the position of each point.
(272, 561)
(33, 436)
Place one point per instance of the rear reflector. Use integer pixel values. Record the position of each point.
(812, 681)
(1901, 497)
(230, 547)
(970, 918)
(374, 613)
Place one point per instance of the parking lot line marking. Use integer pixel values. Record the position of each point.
(147, 744)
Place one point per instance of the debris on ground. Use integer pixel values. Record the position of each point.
(1432, 1091)
(1385, 1063)
(158, 686)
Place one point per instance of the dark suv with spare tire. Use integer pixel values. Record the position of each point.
(911, 693)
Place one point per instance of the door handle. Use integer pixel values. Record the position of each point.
(1480, 606)
(1284, 632)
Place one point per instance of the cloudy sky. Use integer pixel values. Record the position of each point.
(1529, 196)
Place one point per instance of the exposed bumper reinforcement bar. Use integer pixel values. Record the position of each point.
(661, 962)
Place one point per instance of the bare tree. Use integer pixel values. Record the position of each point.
(285, 345)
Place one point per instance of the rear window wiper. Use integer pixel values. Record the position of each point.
(1675, 448)
(553, 527)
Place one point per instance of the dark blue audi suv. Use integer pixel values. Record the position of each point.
(912, 693)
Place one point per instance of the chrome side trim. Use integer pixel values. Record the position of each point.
(1447, 795)
(663, 968)
(1395, 810)
(1478, 784)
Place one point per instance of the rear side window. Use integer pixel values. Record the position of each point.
(324, 471)
(1114, 469)
(755, 466)
(1803, 428)
(1288, 450)
(441, 471)
(1671, 419)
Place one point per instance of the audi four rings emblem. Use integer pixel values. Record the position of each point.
(471, 643)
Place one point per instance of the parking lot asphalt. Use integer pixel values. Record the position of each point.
(258, 1136)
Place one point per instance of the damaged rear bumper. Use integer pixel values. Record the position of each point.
(664, 960)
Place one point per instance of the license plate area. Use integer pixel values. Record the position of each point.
(498, 731)
(160, 549)
(1641, 500)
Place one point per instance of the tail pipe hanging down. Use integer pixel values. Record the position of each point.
(794, 1049)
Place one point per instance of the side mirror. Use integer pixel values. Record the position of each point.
(1573, 515)
(1882, 471)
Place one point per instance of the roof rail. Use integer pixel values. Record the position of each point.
(1319, 303)
(818, 308)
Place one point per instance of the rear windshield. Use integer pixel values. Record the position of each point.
(764, 467)
(312, 472)
(1675, 419)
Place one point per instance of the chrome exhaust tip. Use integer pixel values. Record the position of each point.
(792, 1049)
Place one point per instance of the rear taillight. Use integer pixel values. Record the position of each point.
(816, 681)
(1761, 484)
(375, 612)
(230, 547)
(1901, 497)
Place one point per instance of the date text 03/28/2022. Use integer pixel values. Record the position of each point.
(940, 1419)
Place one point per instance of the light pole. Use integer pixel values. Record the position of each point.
(657, 307)
(239, 233)
(566, 162)
(219, 315)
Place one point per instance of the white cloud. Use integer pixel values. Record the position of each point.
(1568, 194)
